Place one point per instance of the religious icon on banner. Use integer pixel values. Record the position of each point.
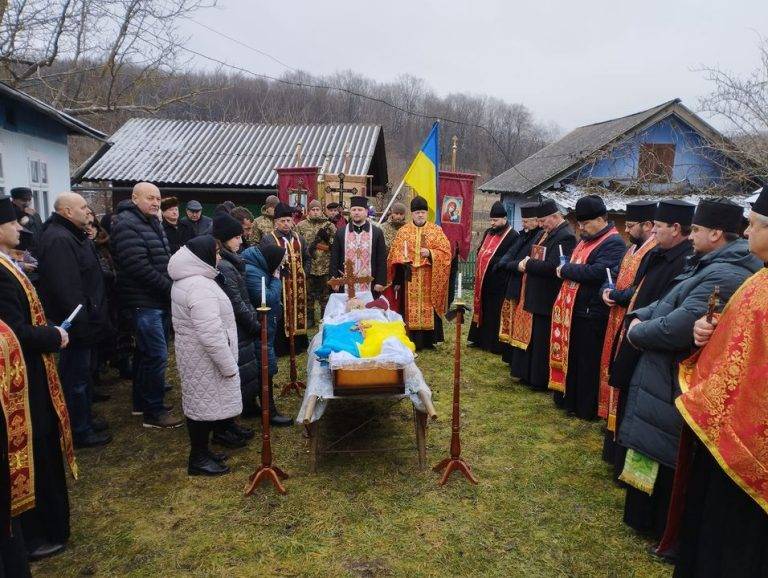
(451, 211)
(298, 197)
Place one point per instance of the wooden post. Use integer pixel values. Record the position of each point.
(455, 462)
(267, 470)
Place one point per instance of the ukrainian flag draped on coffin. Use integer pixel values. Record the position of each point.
(421, 176)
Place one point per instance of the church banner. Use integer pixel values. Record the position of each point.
(297, 185)
(455, 199)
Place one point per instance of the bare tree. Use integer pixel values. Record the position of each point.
(96, 57)
(743, 102)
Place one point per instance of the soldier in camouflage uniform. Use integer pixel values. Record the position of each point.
(264, 223)
(318, 232)
(393, 224)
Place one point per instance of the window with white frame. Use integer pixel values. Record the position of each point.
(38, 182)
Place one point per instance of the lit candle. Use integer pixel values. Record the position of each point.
(458, 290)
(263, 292)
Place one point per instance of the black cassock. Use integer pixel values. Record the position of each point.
(13, 554)
(541, 289)
(723, 532)
(486, 336)
(48, 521)
(378, 254)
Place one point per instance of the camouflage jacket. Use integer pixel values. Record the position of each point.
(390, 231)
(262, 225)
(319, 249)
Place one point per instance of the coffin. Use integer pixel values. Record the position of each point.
(368, 381)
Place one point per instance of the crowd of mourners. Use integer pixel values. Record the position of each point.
(137, 281)
(610, 326)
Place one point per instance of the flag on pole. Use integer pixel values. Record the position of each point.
(422, 175)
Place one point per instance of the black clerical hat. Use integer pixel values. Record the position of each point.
(358, 201)
(283, 210)
(7, 212)
(674, 211)
(640, 211)
(590, 207)
(226, 227)
(497, 210)
(546, 208)
(528, 210)
(761, 204)
(720, 213)
(419, 204)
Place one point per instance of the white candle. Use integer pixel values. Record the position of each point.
(458, 290)
(610, 279)
(406, 250)
(560, 247)
(263, 292)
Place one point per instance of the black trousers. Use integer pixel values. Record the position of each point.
(199, 434)
(583, 380)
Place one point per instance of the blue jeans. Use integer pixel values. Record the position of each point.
(150, 360)
(75, 374)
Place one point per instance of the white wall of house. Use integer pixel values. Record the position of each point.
(34, 162)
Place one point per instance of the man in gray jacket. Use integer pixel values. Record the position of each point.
(663, 332)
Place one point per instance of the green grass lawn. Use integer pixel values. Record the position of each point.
(545, 505)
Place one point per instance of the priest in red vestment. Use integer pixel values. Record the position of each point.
(491, 281)
(724, 402)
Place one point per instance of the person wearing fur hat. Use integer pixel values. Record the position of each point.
(490, 282)
(176, 231)
(393, 224)
(318, 232)
(294, 275)
(264, 224)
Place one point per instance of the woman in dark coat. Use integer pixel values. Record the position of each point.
(265, 264)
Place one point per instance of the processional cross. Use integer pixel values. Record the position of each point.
(349, 279)
(341, 190)
(300, 194)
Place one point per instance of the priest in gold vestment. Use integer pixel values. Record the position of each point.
(418, 268)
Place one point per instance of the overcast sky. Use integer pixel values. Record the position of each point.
(570, 62)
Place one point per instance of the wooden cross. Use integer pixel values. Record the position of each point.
(341, 190)
(349, 279)
(299, 194)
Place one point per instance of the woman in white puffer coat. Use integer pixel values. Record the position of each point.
(206, 349)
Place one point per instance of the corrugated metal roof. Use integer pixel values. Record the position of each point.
(73, 125)
(226, 154)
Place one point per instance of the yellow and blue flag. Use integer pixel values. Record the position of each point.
(422, 175)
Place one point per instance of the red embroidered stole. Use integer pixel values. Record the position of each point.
(358, 248)
(294, 287)
(724, 398)
(507, 321)
(488, 249)
(52, 373)
(562, 314)
(14, 398)
(523, 323)
(629, 266)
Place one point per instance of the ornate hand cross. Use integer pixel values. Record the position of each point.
(349, 279)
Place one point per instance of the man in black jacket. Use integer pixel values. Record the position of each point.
(141, 254)
(542, 286)
(177, 232)
(197, 223)
(70, 275)
(575, 368)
